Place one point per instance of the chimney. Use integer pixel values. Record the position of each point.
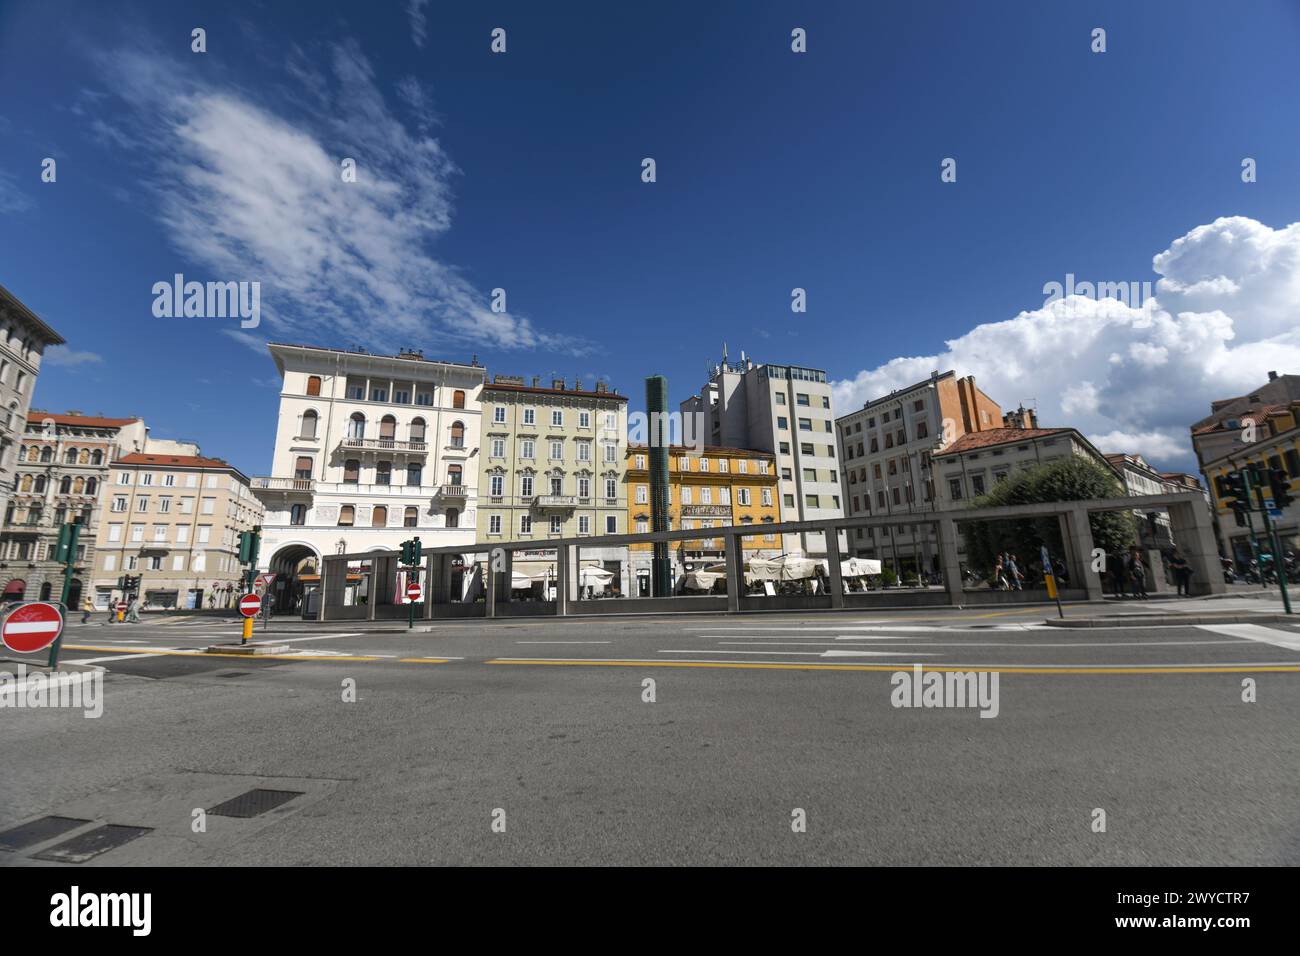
(1272, 376)
(537, 380)
(557, 384)
(601, 388)
(577, 385)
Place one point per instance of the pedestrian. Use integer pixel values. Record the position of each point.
(133, 611)
(1137, 574)
(1182, 573)
(87, 606)
(1014, 576)
(999, 574)
(1118, 582)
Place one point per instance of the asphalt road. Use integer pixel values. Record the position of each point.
(544, 726)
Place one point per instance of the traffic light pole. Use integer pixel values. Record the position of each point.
(1271, 535)
(68, 546)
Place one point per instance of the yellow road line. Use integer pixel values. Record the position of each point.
(892, 668)
(423, 660)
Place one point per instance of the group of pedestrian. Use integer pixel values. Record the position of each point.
(1127, 573)
(1007, 575)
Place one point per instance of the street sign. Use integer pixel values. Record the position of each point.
(1047, 561)
(32, 627)
(121, 606)
(249, 605)
(413, 592)
(264, 580)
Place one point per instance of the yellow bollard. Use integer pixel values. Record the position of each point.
(248, 629)
(121, 616)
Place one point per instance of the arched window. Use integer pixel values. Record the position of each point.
(458, 399)
(309, 420)
(347, 514)
(379, 517)
(417, 429)
(357, 425)
(84, 457)
(313, 384)
(92, 485)
(65, 485)
(78, 485)
(388, 427)
(453, 518)
(45, 591)
(298, 514)
(457, 434)
(453, 475)
(97, 457)
(26, 483)
(410, 517)
(352, 471)
(40, 484)
(47, 454)
(70, 456)
(33, 454)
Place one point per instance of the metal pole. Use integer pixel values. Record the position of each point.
(1270, 534)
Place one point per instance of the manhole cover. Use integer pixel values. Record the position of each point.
(38, 831)
(254, 803)
(91, 844)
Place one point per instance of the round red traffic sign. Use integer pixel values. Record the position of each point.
(413, 592)
(31, 627)
(121, 606)
(249, 605)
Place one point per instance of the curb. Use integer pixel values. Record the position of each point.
(1161, 620)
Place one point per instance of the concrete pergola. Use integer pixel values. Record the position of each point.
(1188, 513)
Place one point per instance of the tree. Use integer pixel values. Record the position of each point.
(1068, 479)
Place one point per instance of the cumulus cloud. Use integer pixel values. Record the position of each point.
(1134, 377)
(61, 355)
(254, 191)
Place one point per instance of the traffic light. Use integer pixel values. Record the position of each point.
(411, 552)
(249, 544)
(1280, 482)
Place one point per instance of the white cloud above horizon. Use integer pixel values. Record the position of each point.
(419, 25)
(252, 191)
(1134, 379)
(65, 357)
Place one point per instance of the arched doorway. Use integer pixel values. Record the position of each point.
(74, 595)
(46, 589)
(15, 589)
(297, 573)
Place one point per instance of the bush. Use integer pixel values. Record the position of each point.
(887, 577)
(1070, 479)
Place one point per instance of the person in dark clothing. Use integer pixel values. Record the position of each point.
(1137, 574)
(1115, 568)
(1182, 573)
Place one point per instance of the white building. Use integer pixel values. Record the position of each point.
(370, 450)
(785, 410)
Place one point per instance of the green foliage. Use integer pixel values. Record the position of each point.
(888, 578)
(1069, 479)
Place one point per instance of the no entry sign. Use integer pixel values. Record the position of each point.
(32, 627)
(249, 605)
(121, 606)
(413, 593)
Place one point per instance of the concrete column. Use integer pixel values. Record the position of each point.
(833, 568)
(490, 591)
(1156, 583)
(425, 577)
(320, 588)
(1194, 537)
(949, 561)
(1077, 534)
(735, 558)
(561, 580)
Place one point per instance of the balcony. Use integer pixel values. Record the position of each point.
(384, 444)
(304, 486)
(555, 501)
(452, 492)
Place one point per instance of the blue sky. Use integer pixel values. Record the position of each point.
(775, 170)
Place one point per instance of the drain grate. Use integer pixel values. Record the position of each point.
(38, 831)
(91, 844)
(254, 803)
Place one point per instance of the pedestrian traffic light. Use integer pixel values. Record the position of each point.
(1280, 483)
(416, 551)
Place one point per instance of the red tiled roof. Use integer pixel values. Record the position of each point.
(178, 461)
(86, 421)
(539, 390)
(1221, 424)
(973, 441)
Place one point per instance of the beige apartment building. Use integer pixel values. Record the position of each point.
(552, 467)
(174, 520)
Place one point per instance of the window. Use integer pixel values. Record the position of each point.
(388, 428)
(611, 422)
(683, 463)
(525, 524)
(584, 487)
(706, 496)
(401, 396)
(416, 431)
(723, 465)
(458, 399)
(780, 398)
(499, 415)
(686, 496)
(357, 426)
(557, 418)
(526, 486)
(584, 451)
(805, 424)
(110, 562)
(611, 453)
(724, 496)
(704, 464)
(530, 416)
(977, 484)
(814, 501)
(303, 467)
(767, 497)
(611, 489)
(457, 434)
(454, 475)
(496, 486)
(187, 506)
(383, 472)
(584, 524)
(557, 451)
(742, 496)
(160, 532)
(137, 532)
(424, 398)
(557, 486)
(498, 448)
(357, 391)
(954, 488)
(642, 495)
(611, 524)
(309, 421)
(642, 526)
(806, 448)
(115, 532)
(313, 384)
(351, 471)
(164, 505)
(379, 517)
(801, 398)
(297, 516)
(584, 419)
(494, 524)
(527, 449)
(555, 524)
(142, 503)
(414, 475)
(347, 514)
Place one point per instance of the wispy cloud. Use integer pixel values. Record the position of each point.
(12, 198)
(415, 9)
(252, 190)
(62, 355)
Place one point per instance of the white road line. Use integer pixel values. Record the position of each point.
(295, 640)
(977, 666)
(988, 644)
(564, 642)
(810, 653)
(1256, 632)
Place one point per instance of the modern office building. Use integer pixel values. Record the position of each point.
(708, 488)
(370, 450)
(552, 466)
(786, 411)
(23, 340)
(61, 474)
(886, 449)
(173, 520)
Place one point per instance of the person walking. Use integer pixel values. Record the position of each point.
(1137, 574)
(87, 606)
(999, 574)
(1014, 577)
(1182, 573)
(133, 611)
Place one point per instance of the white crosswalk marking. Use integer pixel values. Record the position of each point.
(1256, 632)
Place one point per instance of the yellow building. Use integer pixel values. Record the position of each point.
(1267, 436)
(710, 488)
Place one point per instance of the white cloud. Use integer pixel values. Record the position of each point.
(251, 194)
(61, 355)
(1134, 379)
(415, 10)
